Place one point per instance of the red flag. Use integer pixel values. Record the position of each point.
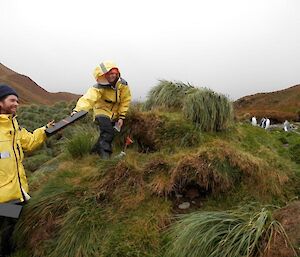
(128, 141)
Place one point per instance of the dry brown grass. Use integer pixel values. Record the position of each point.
(261, 177)
(279, 106)
(277, 116)
(143, 129)
(216, 168)
(198, 170)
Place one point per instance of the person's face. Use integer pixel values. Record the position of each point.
(9, 105)
(112, 75)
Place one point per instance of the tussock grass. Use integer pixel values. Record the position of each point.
(264, 178)
(91, 207)
(198, 170)
(217, 168)
(209, 110)
(101, 211)
(81, 142)
(143, 128)
(242, 232)
(168, 95)
(153, 131)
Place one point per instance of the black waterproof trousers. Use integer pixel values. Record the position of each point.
(7, 226)
(103, 146)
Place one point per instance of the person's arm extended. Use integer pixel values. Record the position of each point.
(31, 141)
(88, 100)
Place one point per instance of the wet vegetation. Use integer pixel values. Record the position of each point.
(130, 206)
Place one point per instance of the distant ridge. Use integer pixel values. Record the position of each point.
(279, 105)
(31, 92)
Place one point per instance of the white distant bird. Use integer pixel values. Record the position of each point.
(254, 121)
(267, 123)
(286, 126)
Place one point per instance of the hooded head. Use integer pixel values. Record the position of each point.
(107, 73)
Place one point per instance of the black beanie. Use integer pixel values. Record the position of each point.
(6, 90)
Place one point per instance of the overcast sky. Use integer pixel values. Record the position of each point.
(235, 47)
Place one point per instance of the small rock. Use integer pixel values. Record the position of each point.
(193, 202)
(184, 205)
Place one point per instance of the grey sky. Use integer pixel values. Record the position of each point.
(234, 47)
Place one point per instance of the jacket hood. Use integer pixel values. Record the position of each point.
(102, 69)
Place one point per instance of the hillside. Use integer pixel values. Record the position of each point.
(83, 206)
(29, 91)
(233, 185)
(279, 105)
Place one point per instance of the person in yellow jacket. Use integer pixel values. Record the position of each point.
(13, 141)
(109, 99)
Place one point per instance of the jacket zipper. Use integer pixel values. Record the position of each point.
(112, 115)
(24, 199)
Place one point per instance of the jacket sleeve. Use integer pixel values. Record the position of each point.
(125, 99)
(31, 141)
(88, 100)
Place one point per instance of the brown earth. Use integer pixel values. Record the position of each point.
(278, 106)
(289, 217)
(30, 92)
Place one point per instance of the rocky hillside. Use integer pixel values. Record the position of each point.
(29, 91)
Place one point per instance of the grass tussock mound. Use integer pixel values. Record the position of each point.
(84, 206)
(242, 232)
(143, 128)
(168, 95)
(154, 131)
(103, 212)
(217, 168)
(121, 207)
(196, 170)
(82, 142)
(255, 173)
(208, 110)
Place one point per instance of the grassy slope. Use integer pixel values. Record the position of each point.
(89, 207)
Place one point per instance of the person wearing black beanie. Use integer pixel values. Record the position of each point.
(13, 182)
(9, 100)
(6, 90)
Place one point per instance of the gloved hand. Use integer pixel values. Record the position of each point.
(120, 123)
(73, 112)
(50, 123)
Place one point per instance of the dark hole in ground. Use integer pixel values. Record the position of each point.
(193, 194)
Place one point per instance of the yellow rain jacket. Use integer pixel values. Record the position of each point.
(104, 99)
(13, 140)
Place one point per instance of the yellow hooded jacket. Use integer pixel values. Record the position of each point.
(104, 99)
(13, 140)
